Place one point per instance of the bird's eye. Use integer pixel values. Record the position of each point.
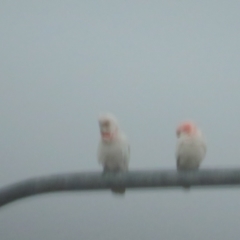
(105, 124)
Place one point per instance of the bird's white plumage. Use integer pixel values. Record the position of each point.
(113, 148)
(115, 155)
(191, 150)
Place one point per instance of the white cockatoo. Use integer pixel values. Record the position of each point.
(191, 147)
(113, 149)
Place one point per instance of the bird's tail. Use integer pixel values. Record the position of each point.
(120, 191)
(186, 187)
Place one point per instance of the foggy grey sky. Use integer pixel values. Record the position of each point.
(153, 64)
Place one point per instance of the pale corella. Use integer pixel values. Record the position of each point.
(191, 147)
(113, 149)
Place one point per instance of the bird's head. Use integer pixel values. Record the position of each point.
(187, 128)
(108, 127)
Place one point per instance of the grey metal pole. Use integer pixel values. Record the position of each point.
(132, 179)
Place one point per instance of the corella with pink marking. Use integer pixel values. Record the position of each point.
(114, 148)
(191, 147)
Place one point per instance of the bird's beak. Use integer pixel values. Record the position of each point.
(178, 132)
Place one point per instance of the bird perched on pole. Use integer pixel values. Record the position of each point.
(191, 147)
(113, 149)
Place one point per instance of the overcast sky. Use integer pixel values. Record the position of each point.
(152, 64)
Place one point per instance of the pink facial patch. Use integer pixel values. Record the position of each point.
(186, 127)
(105, 135)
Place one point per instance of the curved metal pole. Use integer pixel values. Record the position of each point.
(132, 179)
